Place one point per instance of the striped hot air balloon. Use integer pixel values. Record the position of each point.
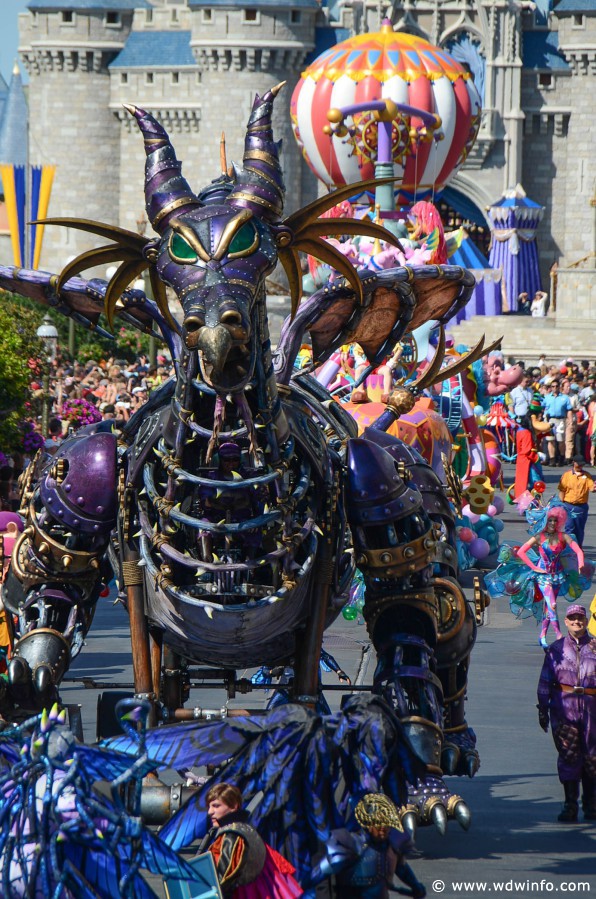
(407, 70)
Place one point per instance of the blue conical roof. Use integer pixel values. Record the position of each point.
(13, 126)
(3, 96)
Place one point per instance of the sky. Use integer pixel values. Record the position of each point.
(9, 34)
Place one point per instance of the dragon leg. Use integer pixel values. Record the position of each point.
(396, 550)
(58, 564)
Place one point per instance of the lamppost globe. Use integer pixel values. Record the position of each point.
(48, 333)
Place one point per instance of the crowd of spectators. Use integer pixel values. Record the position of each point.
(76, 395)
(563, 394)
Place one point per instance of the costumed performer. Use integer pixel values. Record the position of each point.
(567, 696)
(247, 868)
(365, 862)
(540, 572)
(527, 465)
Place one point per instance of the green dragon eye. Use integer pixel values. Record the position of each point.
(245, 240)
(181, 250)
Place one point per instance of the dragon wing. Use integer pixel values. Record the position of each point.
(395, 300)
(83, 301)
(298, 767)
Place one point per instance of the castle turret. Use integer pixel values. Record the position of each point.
(577, 41)
(67, 46)
(244, 47)
(196, 66)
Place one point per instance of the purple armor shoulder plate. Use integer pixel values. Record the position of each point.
(424, 477)
(376, 492)
(79, 487)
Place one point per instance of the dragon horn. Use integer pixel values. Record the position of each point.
(166, 191)
(429, 375)
(260, 186)
(457, 367)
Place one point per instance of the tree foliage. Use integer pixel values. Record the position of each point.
(20, 348)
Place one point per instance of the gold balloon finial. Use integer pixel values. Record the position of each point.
(334, 115)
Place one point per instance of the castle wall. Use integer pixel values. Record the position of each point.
(532, 132)
(71, 124)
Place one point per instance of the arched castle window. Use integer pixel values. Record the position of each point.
(467, 50)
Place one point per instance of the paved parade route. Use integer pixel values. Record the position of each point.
(514, 840)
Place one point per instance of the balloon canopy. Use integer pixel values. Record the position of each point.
(393, 66)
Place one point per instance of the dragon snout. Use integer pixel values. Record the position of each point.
(214, 344)
(230, 318)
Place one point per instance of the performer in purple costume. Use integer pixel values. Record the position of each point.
(567, 694)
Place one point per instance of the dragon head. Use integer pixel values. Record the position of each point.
(216, 248)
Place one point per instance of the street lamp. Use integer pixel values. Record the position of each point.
(49, 335)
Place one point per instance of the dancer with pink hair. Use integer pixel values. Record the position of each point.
(547, 567)
(551, 543)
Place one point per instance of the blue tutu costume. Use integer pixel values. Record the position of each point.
(514, 580)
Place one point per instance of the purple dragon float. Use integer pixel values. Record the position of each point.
(236, 504)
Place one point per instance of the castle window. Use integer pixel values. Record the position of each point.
(174, 15)
(148, 77)
(175, 77)
(295, 16)
(545, 80)
(207, 15)
(68, 17)
(251, 16)
(124, 78)
(113, 19)
(148, 17)
(579, 21)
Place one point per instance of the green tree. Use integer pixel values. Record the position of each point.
(20, 348)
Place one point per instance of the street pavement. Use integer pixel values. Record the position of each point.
(515, 846)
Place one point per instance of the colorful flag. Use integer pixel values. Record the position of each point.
(13, 181)
(42, 177)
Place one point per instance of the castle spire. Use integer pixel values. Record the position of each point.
(13, 127)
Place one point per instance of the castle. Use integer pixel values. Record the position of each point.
(196, 64)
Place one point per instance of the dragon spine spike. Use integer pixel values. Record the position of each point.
(166, 191)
